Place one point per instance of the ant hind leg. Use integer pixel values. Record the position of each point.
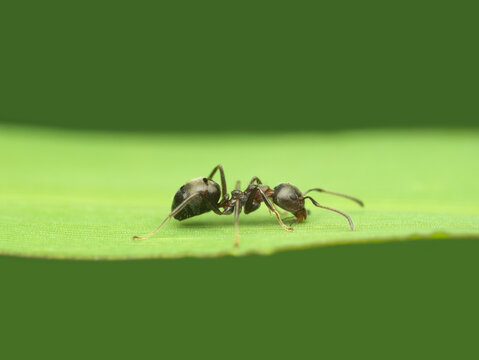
(180, 207)
(171, 214)
(224, 191)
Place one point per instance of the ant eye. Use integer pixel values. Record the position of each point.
(293, 197)
(182, 189)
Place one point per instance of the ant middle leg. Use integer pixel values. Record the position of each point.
(255, 179)
(237, 213)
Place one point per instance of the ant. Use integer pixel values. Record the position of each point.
(201, 195)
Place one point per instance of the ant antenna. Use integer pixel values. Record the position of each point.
(351, 224)
(337, 194)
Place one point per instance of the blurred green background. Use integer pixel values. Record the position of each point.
(251, 67)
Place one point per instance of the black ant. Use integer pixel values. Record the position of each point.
(202, 195)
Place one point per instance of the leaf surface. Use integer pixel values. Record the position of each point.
(84, 195)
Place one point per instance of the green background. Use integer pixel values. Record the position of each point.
(249, 67)
(399, 300)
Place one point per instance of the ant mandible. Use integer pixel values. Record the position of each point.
(201, 195)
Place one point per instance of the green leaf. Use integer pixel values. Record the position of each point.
(84, 195)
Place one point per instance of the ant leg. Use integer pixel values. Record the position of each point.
(224, 192)
(213, 207)
(255, 179)
(238, 185)
(271, 207)
(250, 205)
(293, 219)
(173, 213)
(282, 213)
(337, 194)
(351, 224)
(237, 212)
(178, 209)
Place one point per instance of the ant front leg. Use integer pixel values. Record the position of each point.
(251, 206)
(273, 209)
(283, 213)
(294, 220)
(256, 180)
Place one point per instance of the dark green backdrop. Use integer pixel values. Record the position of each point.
(250, 66)
(384, 301)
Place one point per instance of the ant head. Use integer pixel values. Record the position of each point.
(290, 198)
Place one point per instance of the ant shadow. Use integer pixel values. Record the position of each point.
(243, 220)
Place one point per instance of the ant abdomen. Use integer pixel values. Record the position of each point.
(197, 205)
